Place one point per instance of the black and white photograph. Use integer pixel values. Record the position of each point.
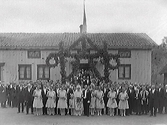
(83, 62)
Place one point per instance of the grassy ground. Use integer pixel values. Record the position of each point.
(9, 116)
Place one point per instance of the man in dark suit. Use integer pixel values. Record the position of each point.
(160, 98)
(165, 99)
(153, 100)
(20, 97)
(2, 95)
(44, 98)
(56, 89)
(137, 101)
(131, 94)
(144, 100)
(8, 93)
(29, 98)
(86, 100)
(105, 98)
(118, 90)
(69, 92)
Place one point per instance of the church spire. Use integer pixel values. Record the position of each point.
(83, 27)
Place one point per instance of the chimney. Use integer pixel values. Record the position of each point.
(164, 42)
(81, 28)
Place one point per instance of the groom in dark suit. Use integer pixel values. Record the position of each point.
(44, 98)
(29, 98)
(86, 100)
(153, 100)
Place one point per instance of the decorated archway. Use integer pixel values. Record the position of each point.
(83, 45)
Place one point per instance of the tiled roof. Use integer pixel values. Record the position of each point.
(51, 40)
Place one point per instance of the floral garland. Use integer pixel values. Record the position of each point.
(52, 56)
(117, 61)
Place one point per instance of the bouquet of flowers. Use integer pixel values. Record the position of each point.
(101, 101)
(78, 100)
(64, 98)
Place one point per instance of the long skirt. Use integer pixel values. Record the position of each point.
(62, 103)
(93, 102)
(99, 104)
(123, 104)
(78, 104)
(111, 103)
(50, 103)
(71, 103)
(37, 103)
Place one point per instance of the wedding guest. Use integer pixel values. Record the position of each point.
(44, 97)
(123, 102)
(20, 98)
(160, 98)
(62, 102)
(72, 102)
(99, 101)
(37, 103)
(93, 100)
(144, 100)
(51, 101)
(29, 98)
(153, 101)
(165, 98)
(78, 103)
(112, 104)
(137, 101)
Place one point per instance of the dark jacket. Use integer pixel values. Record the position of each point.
(29, 95)
(153, 98)
(20, 95)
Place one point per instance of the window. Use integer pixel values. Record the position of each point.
(124, 71)
(24, 72)
(124, 53)
(34, 54)
(1, 65)
(43, 72)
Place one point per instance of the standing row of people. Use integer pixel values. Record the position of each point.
(110, 98)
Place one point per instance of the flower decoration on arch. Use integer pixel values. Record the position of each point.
(114, 62)
(52, 57)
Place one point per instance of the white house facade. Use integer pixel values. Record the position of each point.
(23, 55)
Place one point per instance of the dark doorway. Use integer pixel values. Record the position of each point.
(84, 66)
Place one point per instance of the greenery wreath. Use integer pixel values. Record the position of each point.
(52, 56)
(117, 61)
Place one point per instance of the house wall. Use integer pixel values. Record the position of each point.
(14, 57)
(140, 66)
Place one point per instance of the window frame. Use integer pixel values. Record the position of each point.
(33, 51)
(43, 76)
(25, 73)
(125, 65)
(124, 50)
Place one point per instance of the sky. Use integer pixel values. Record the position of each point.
(103, 16)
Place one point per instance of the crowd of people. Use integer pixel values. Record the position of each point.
(85, 95)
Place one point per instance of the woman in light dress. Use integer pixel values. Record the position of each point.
(112, 104)
(51, 102)
(62, 102)
(99, 100)
(37, 103)
(93, 100)
(123, 102)
(78, 101)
